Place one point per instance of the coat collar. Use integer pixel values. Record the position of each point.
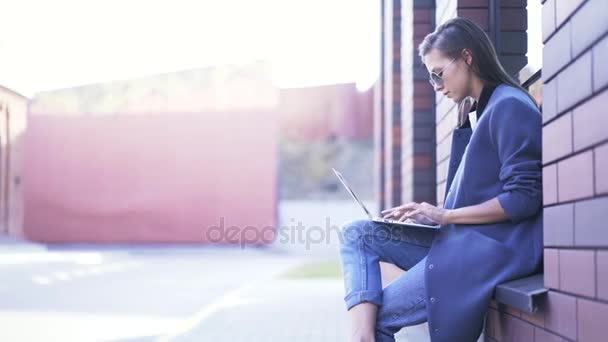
(480, 106)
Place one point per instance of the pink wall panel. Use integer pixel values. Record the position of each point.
(162, 178)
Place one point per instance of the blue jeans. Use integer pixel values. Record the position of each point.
(363, 244)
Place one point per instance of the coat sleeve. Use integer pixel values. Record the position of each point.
(515, 130)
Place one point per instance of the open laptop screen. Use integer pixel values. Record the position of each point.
(352, 193)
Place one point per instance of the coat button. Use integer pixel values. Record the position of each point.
(431, 266)
(432, 299)
(436, 330)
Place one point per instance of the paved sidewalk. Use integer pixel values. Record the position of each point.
(9, 244)
(302, 310)
(184, 292)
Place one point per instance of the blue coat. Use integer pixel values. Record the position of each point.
(501, 158)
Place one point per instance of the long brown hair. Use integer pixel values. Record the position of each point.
(457, 34)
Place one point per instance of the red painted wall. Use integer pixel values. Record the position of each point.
(158, 177)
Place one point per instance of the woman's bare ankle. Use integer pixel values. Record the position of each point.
(363, 320)
(363, 337)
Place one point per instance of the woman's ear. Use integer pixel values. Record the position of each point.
(467, 57)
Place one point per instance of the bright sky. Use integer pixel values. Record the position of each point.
(535, 35)
(64, 43)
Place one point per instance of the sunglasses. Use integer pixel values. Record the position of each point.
(436, 78)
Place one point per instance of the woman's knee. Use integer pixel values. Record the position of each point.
(353, 231)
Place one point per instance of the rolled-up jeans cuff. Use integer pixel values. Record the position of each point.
(358, 297)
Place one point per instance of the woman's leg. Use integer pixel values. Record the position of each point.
(363, 244)
(403, 305)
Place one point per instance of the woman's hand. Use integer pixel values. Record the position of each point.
(424, 213)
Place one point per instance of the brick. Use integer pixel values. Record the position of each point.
(564, 9)
(602, 274)
(442, 170)
(557, 139)
(550, 184)
(541, 335)
(445, 108)
(509, 309)
(513, 63)
(549, 95)
(444, 148)
(440, 192)
(551, 268)
(514, 330)
(560, 314)
(537, 318)
(472, 3)
(423, 105)
(513, 3)
(601, 169)
(423, 16)
(592, 321)
(548, 21)
(446, 127)
(590, 121)
(492, 322)
(590, 219)
(479, 16)
(557, 52)
(575, 177)
(600, 67)
(513, 19)
(577, 272)
(558, 222)
(514, 42)
(421, 30)
(586, 26)
(574, 83)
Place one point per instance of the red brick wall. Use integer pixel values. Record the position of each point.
(445, 113)
(575, 159)
(404, 107)
(392, 102)
(418, 108)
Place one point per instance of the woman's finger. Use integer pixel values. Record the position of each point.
(409, 215)
(388, 215)
(407, 206)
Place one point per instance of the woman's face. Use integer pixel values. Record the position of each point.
(455, 76)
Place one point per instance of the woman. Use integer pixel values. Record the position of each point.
(491, 221)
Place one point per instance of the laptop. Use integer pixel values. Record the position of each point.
(379, 219)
